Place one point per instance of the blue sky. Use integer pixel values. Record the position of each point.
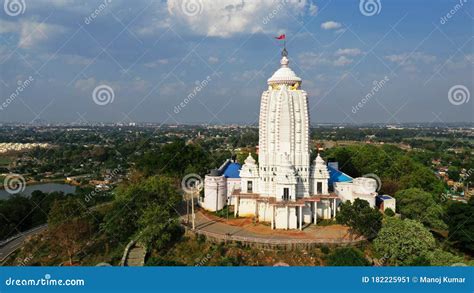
(211, 59)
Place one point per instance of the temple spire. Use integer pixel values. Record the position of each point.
(284, 52)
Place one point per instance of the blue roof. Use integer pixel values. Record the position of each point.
(337, 176)
(232, 170)
(385, 196)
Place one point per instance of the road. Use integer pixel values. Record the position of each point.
(16, 243)
(11, 246)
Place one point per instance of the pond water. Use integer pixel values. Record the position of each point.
(45, 187)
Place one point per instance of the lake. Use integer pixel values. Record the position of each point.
(45, 187)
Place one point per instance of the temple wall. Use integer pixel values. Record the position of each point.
(247, 207)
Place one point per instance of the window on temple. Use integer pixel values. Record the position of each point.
(286, 193)
(249, 187)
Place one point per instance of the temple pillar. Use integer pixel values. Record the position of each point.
(273, 217)
(315, 212)
(335, 208)
(287, 217)
(256, 211)
(301, 217)
(236, 208)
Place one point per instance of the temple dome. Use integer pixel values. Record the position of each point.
(249, 160)
(319, 160)
(284, 75)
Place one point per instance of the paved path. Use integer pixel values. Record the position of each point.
(244, 228)
(17, 242)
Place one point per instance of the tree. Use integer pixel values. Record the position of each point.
(121, 221)
(15, 215)
(172, 159)
(347, 256)
(460, 222)
(132, 200)
(360, 217)
(403, 242)
(453, 173)
(417, 204)
(70, 226)
(72, 236)
(389, 212)
(65, 209)
(158, 226)
(394, 166)
(439, 257)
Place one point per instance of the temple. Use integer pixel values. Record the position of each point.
(284, 187)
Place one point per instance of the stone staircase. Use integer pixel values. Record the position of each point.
(134, 255)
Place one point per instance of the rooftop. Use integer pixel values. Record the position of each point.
(232, 170)
(338, 176)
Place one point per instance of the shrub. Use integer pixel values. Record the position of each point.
(347, 256)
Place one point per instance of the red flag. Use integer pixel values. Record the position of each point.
(281, 37)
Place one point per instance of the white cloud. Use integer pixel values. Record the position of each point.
(410, 62)
(342, 61)
(213, 59)
(310, 59)
(85, 84)
(156, 63)
(313, 9)
(460, 63)
(76, 59)
(470, 58)
(248, 75)
(349, 52)
(410, 58)
(329, 25)
(31, 33)
(225, 18)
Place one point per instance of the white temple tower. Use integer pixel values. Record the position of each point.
(284, 136)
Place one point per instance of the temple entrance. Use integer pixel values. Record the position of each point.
(319, 188)
(249, 186)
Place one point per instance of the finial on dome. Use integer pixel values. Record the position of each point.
(284, 61)
(250, 160)
(319, 160)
